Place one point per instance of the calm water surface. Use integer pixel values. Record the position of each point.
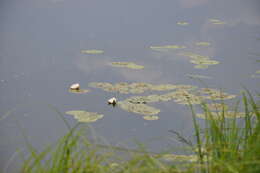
(40, 44)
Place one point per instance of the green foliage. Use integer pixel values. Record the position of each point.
(223, 145)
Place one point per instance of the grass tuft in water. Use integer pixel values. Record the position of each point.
(221, 146)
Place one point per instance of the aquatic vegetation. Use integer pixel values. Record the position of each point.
(201, 61)
(204, 62)
(138, 108)
(214, 94)
(92, 51)
(202, 43)
(217, 21)
(180, 158)
(194, 55)
(217, 107)
(220, 115)
(257, 72)
(182, 23)
(130, 65)
(79, 91)
(166, 47)
(84, 116)
(134, 88)
(256, 75)
(151, 117)
(198, 76)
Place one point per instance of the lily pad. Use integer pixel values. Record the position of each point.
(134, 88)
(151, 117)
(80, 91)
(217, 21)
(182, 23)
(180, 158)
(201, 66)
(92, 51)
(202, 43)
(194, 56)
(138, 108)
(220, 115)
(214, 94)
(130, 65)
(166, 47)
(204, 62)
(217, 107)
(195, 76)
(84, 116)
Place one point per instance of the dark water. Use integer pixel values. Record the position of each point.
(40, 43)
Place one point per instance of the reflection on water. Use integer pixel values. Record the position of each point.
(46, 46)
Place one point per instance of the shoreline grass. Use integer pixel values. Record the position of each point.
(222, 146)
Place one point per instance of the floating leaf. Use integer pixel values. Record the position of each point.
(127, 65)
(202, 43)
(201, 66)
(182, 23)
(134, 88)
(138, 108)
(151, 117)
(214, 94)
(84, 116)
(257, 72)
(198, 76)
(204, 62)
(217, 21)
(194, 56)
(80, 91)
(166, 47)
(180, 158)
(217, 107)
(220, 115)
(92, 51)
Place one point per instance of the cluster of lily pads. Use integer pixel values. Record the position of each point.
(84, 116)
(200, 61)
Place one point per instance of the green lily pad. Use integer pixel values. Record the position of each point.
(134, 88)
(194, 56)
(92, 51)
(151, 117)
(130, 65)
(180, 158)
(217, 107)
(220, 115)
(201, 66)
(80, 91)
(214, 94)
(138, 108)
(166, 47)
(182, 23)
(195, 76)
(257, 72)
(202, 43)
(217, 22)
(204, 62)
(84, 116)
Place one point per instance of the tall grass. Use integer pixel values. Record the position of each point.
(223, 146)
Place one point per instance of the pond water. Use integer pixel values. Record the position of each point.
(44, 49)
